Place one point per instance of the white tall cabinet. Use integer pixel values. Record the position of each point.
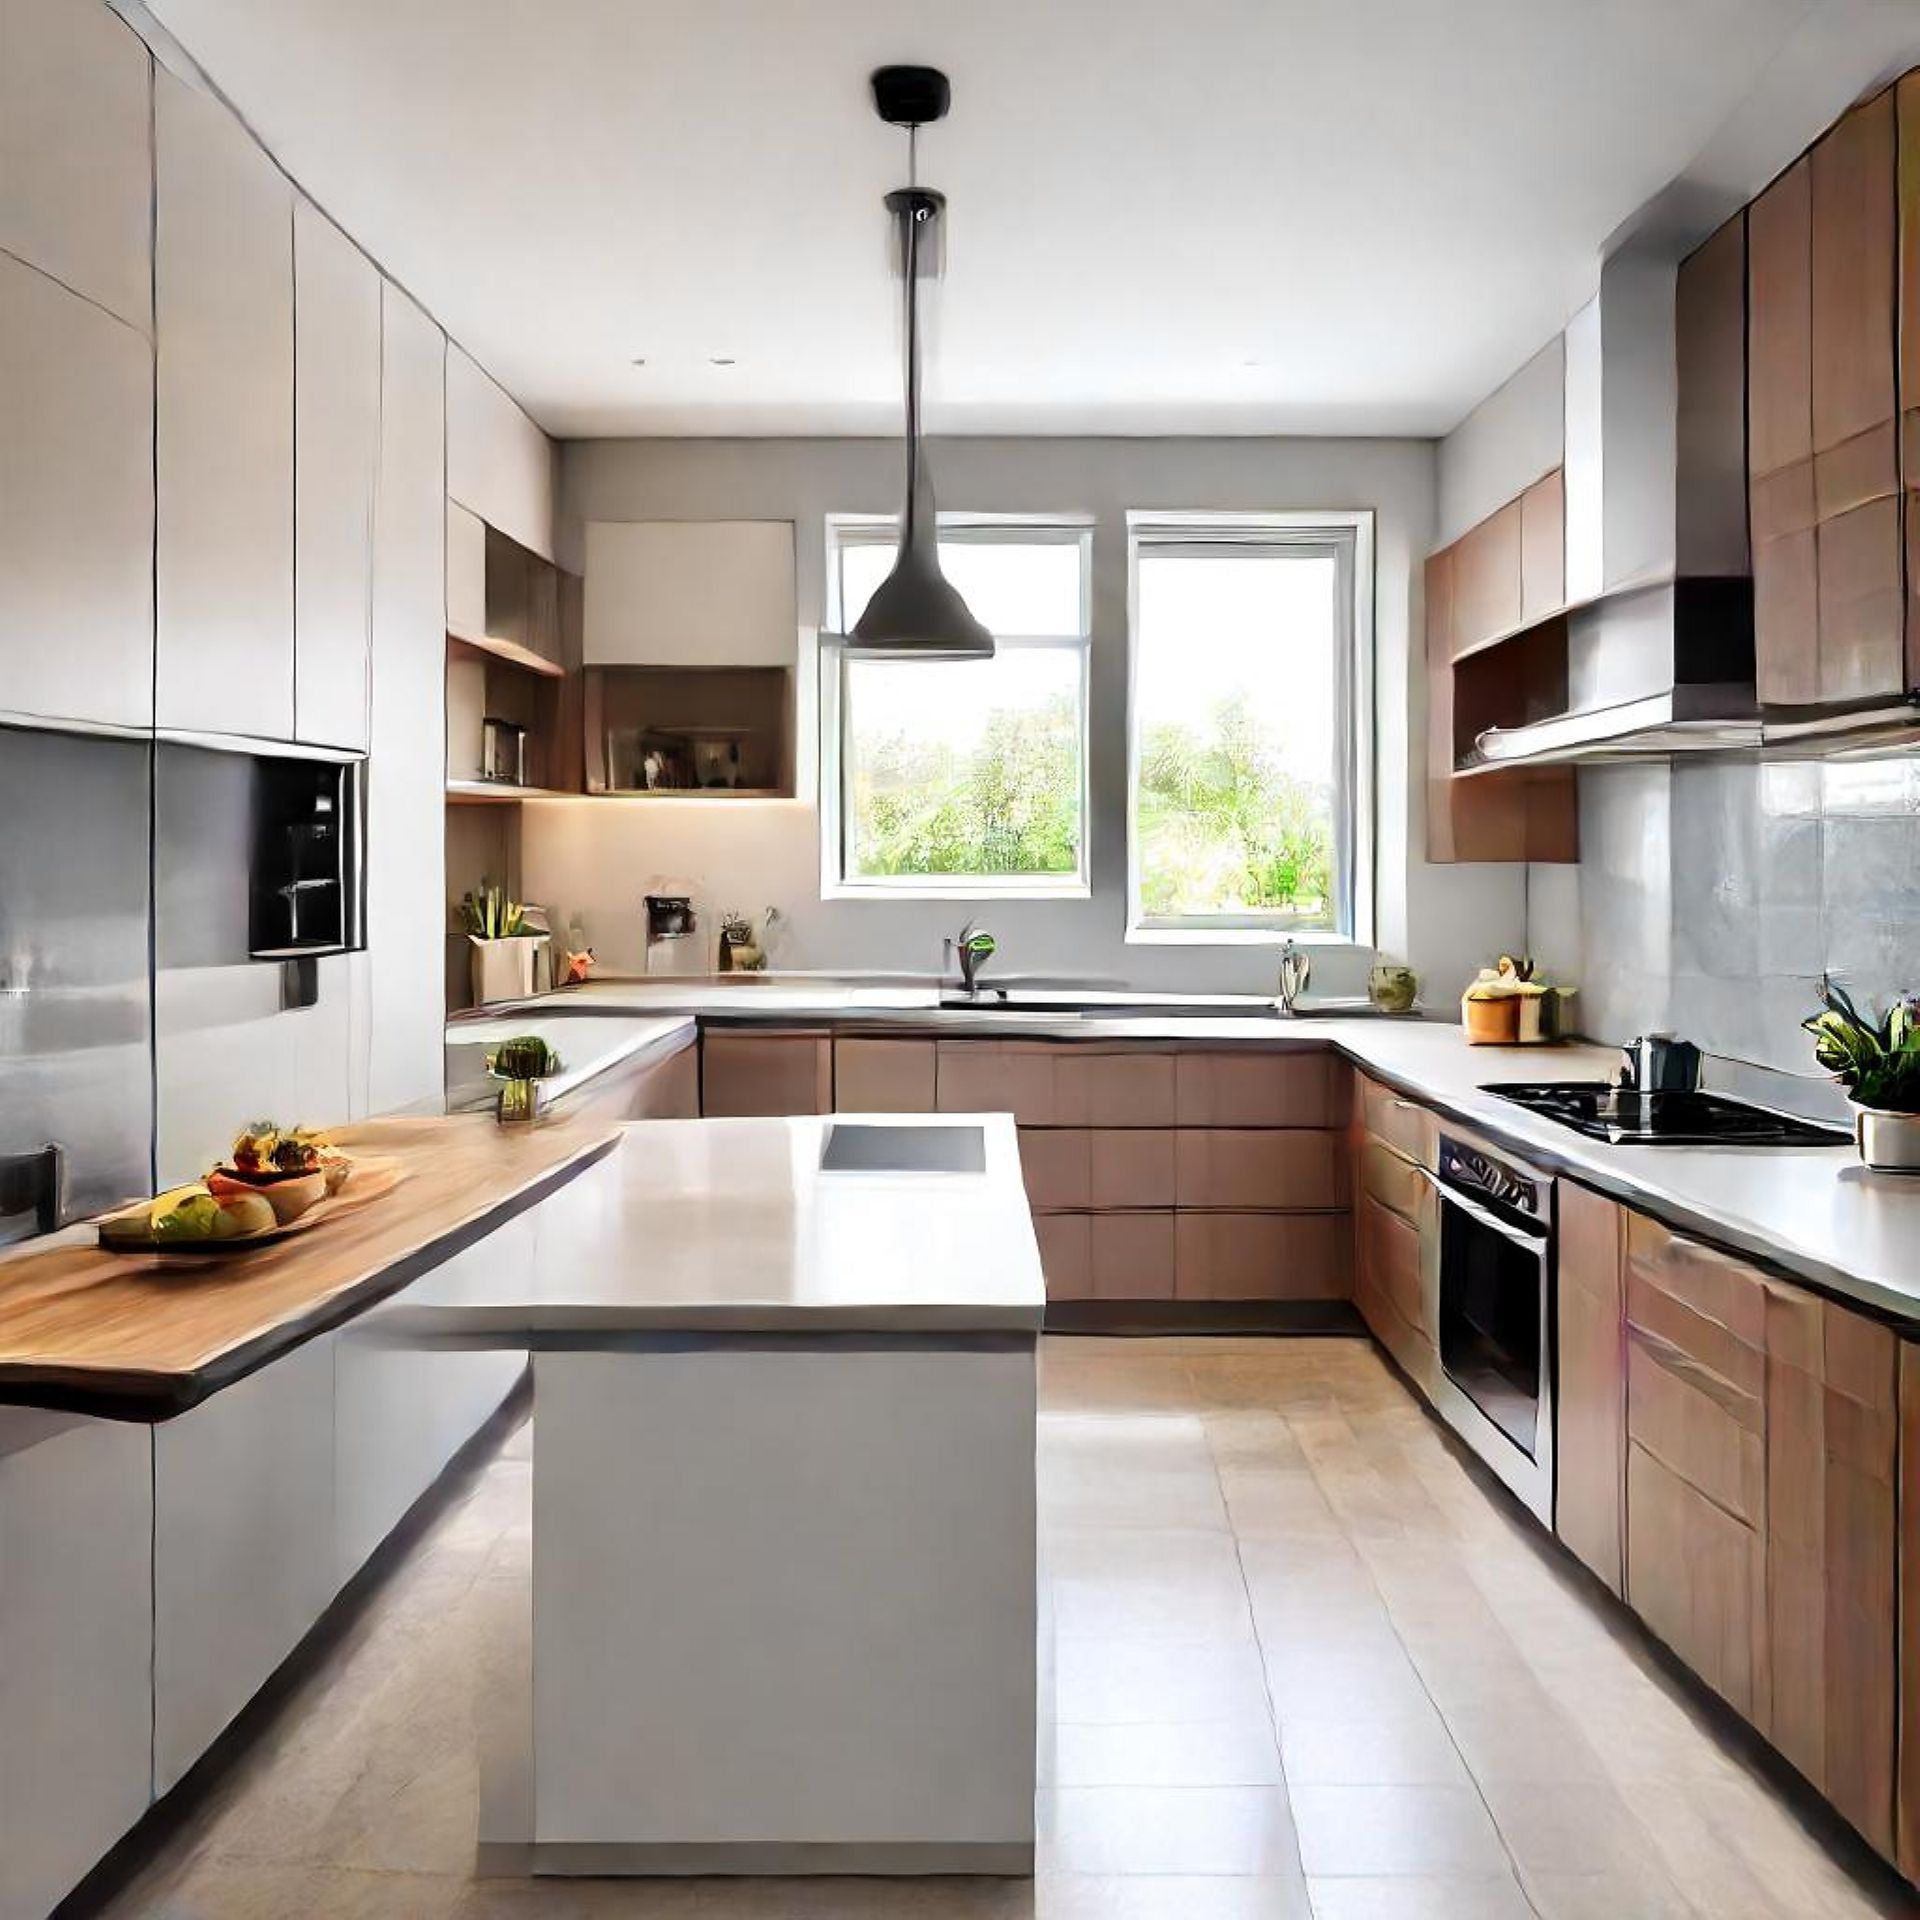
(223, 314)
(406, 845)
(76, 1638)
(76, 367)
(74, 152)
(499, 463)
(336, 411)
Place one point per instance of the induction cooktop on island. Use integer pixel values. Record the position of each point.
(1680, 1118)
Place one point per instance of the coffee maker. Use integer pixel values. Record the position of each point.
(676, 940)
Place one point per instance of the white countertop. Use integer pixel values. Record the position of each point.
(587, 1049)
(1812, 1212)
(733, 1227)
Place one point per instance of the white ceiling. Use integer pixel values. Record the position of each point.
(1217, 216)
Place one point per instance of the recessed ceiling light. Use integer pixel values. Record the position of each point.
(638, 360)
(1253, 363)
(720, 360)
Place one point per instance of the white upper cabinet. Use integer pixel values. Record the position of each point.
(223, 278)
(75, 157)
(466, 573)
(678, 593)
(76, 507)
(406, 779)
(499, 464)
(336, 402)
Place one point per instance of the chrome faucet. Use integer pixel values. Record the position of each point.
(973, 946)
(1296, 969)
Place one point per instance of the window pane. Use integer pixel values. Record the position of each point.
(1235, 715)
(1012, 586)
(964, 768)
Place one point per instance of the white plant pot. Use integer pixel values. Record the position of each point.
(502, 969)
(1889, 1142)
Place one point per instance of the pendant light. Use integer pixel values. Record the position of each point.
(916, 613)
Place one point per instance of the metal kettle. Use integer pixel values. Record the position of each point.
(1658, 1063)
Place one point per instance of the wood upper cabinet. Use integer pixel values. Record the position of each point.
(1543, 547)
(1823, 411)
(691, 593)
(336, 410)
(223, 278)
(1488, 594)
(1590, 1445)
(1907, 107)
(1856, 466)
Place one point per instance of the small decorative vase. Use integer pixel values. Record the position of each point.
(519, 1101)
(502, 969)
(1888, 1142)
(1392, 987)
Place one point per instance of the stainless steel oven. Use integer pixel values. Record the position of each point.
(1494, 1314)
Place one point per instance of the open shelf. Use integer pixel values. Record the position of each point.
(689, 733)
(511, 652)
(495, 793)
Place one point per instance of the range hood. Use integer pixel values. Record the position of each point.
(1660, 651)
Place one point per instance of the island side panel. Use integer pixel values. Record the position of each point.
(785, 1606)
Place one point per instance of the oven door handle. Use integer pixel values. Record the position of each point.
(1535, 1243)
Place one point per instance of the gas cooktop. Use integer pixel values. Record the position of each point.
(1690, 1119)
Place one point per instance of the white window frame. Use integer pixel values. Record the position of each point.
(1348, 537)
(875, 529)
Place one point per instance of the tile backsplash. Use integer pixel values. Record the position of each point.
(1714, 893)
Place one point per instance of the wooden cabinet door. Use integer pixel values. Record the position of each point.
(336, 400)
(1696, 1459)
(1258, 1089)
(1487, 591)
(762, 1072)
(1907, 106)
(1543, 547)
(1780, 439)
(1590, 1410)
(883, 1076)
(223, 314)
(76, 507)
(1133, 1256)
(1832, 1470)
(1066, 1254)
(1262, 1256)
(1856, 465)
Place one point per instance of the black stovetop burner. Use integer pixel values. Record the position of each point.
(1628, 1118)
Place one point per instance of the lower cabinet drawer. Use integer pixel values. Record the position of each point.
(1132, 1166)
(1262, 1256)
(1698, 1577)
(1251, 1169)
(1389, 1255)
(882, 1076)
(1054, 1165)
(1401, 1124)
(763, 1073)
(1133, 1256)
(1066, 1254)
(1391, 1179)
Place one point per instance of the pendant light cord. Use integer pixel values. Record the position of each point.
(911, 251)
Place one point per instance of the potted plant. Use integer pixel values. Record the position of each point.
(520, 1064)
(503, 944)
(1877, 1060)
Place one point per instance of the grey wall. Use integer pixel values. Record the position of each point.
(595, 857)
(1712, 896)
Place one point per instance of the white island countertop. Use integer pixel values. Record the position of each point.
(734, 1227)
(1814, 1213)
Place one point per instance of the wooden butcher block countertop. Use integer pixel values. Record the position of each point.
(146, 1336)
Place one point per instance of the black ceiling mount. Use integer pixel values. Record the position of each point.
(910, 96)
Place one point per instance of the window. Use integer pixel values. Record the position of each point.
(961, 777)
(1249, 727)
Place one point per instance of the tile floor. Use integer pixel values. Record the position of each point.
(1306, 1668)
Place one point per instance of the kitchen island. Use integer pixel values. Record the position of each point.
(784, 1588)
